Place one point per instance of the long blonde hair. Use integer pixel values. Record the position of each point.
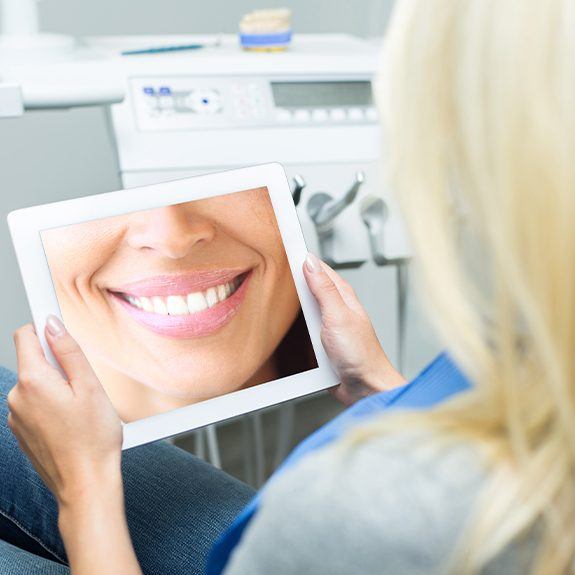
(478, 104)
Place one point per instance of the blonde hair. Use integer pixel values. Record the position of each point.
(478, 103)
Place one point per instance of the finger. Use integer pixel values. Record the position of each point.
(29, 352)
(68, 353)
(323, 288)
(347, 292)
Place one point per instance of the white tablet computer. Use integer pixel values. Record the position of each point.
(187, 297)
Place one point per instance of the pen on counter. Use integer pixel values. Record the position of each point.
(165, 49)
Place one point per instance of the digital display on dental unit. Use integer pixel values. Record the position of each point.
(325, 94)
(182, 303)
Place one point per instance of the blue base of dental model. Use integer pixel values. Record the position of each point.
(277, 40)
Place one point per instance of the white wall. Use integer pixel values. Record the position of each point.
(360, 17)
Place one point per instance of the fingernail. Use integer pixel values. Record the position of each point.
(312, 264)
(55, 326)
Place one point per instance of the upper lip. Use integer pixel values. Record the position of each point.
(179, 284)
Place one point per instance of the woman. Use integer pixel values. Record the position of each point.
(477, 98)
(182, 303)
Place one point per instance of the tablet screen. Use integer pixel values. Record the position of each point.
(183, 303)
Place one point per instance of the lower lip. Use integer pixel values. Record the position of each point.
(197, 324)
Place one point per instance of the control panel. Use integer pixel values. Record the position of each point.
(188, 103)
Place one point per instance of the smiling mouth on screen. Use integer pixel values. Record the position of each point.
(185, 305)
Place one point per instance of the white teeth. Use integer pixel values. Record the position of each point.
(159, 305)
(196, 302)
(177, 305)
(212, 297)
(185, 304)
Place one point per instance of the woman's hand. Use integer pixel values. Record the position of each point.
(66, 426)
(73, 436)
(348, 336)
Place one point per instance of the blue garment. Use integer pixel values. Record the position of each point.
(437, 382)
(177, 505)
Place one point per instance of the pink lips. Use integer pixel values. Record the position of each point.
(192, 325)
(179, 284)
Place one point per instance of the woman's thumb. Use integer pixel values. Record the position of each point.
(68, 353)
(322, 287)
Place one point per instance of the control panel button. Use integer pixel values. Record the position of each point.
(302, 116)
(258, 110)
(371, 114)
(283, 116)
(355, 114)
(338, 114)
(320, 115)
(204, 101)
(165, 103)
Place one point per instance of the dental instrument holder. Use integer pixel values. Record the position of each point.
(297, 187)
(374, 213)
(323, 209)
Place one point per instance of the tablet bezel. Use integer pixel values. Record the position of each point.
(27, 224)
